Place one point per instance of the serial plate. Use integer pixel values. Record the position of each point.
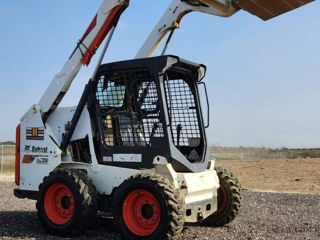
(127, 158)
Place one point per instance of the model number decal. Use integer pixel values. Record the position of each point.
(42, 160)
(134, 158)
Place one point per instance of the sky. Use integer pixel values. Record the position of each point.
(262, 78)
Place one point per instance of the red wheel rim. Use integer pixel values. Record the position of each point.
(222, 200)
(59, 203)
(141, 213)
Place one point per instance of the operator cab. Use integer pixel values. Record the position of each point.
(146, 108)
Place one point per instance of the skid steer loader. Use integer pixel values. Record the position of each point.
(135, 146)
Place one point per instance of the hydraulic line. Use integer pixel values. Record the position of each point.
(104, 50)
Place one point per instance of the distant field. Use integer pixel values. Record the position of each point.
(8, 158)
(8, 150)
(8, 166)
(257, 169)
(229, 153)
(282, 175)
(283, 170)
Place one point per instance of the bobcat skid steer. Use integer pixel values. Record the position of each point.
(135, 146)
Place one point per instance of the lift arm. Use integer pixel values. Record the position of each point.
(106, 18)
(176, 11)
(264, 9)
(109, 13)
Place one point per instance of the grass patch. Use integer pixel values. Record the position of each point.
(8, 167)
(8, 150)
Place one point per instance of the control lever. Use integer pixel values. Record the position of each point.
(179, 129)
(154, 129)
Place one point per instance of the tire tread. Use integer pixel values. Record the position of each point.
(173, 199)
(88, 199)
(234, 191)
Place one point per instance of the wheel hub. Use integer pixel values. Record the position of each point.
(222, 200)
(147, 211)
(141, 213)
(59, 203)
(65, 202)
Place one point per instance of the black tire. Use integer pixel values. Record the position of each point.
(163, 196)
(67, 201)
(229, 199)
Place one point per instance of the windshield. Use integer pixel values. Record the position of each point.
(110, 94)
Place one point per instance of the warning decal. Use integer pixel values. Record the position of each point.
(35, 134)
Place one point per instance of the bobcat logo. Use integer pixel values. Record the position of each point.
(27, 148)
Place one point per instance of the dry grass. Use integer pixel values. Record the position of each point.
(283, 175)
(8, 150)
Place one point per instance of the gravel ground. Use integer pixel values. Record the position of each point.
(263, 216)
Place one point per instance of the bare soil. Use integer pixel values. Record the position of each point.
(280, 175)
(7, 177)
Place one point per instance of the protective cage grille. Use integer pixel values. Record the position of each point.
(183, 114)
(130, 108)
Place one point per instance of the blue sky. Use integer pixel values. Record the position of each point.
(263, 77)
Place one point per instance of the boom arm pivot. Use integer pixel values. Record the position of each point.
(107, 16)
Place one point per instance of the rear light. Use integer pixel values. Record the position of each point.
(17, 167)
(28, 159)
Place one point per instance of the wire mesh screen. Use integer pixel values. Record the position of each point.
(150, 108)
(130, 108)
(183, 112)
